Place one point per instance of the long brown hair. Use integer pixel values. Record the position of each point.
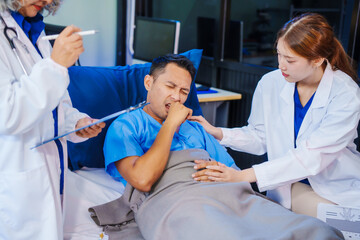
(310, 36)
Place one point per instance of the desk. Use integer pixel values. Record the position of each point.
(215, 106)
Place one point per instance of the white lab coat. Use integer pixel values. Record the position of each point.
(30, 202)
(325, 152)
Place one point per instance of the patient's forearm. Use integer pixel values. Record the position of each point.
(142, 172)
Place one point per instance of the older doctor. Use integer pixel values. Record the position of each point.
(35, 106)
(304, 116)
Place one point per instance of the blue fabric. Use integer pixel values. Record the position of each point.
(207, 91)
(134, 133)
(300, 112)
(100, 91)
(60, 149)
(32, 27)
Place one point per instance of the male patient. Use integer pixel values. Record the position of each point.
(153, 149)
(137, 145)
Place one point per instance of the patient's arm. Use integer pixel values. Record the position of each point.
(143, 171)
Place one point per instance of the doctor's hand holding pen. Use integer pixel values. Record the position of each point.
(67, 47)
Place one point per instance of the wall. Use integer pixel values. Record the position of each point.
(276, 12)
(100, 49)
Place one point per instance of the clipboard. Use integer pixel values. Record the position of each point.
(132, 108)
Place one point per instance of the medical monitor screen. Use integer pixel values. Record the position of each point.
(155, 37)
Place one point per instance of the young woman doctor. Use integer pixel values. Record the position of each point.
(35, 106)
(304, 115)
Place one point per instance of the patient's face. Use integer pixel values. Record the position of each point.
(173, 85)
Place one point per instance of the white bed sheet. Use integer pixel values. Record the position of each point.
(86, 188)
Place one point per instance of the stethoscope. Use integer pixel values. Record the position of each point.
(8, 32)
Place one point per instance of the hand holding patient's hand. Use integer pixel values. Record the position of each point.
(223, 173)
(89, 132)
(202, 175)
(178, 113)
(219, 172)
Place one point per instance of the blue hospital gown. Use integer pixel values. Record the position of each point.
(134, 133)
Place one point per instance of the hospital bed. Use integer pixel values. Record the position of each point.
(100, 91)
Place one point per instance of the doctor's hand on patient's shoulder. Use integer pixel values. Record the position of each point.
(214, 131)
(89, 132)
(177, 114)
(67, 47)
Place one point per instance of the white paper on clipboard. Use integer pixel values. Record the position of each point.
(346, 219)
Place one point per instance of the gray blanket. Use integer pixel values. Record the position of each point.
(178, 208)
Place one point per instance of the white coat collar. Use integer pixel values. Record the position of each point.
(287, 93)
(320, 100)
(7, 18)
(287, 106)
(11, 23)
(322, 92)
(44, 46)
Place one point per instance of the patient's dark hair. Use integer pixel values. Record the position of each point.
(158, 64)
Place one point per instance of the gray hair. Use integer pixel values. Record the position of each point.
(15, 5)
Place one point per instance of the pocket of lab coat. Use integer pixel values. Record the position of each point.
(26, 200)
